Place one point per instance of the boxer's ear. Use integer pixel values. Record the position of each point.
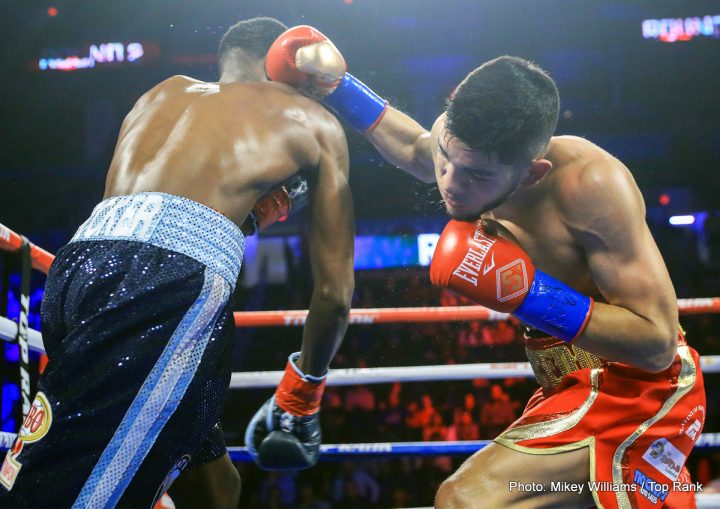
(536, 172)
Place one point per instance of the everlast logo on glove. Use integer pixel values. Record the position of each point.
(479, 260)
(470, 266)
(508, 281)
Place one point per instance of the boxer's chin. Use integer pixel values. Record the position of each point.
(463, 214)
(474, 213)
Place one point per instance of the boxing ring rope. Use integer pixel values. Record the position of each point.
(390, 449)
(8, 329)
(368, 316)
(11, 241)
(41, 260)
(354, 376)
(338, 452)
(426, 314)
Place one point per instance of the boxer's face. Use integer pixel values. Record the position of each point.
(470, 182)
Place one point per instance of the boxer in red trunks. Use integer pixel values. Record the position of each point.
(622, 398)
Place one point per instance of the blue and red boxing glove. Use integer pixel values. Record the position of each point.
(306, 59)
(285, 433)
(477, 261)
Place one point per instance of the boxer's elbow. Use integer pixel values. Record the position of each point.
(662, 352)
(663, 359)
(336, 298)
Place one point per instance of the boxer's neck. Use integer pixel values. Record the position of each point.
(239, 67)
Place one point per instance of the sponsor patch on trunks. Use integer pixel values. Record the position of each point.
(692, 424)
(666, 458)
(649, 488)
(38, 420)
(11, 466)
(34, 428)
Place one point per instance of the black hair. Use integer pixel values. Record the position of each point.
(507, 108)
(254, 36)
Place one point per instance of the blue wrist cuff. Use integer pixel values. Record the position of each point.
(308, 378)
(553, 307)
(355, 103)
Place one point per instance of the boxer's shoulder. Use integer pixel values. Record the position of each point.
(177, 83)
(287, 102)
(172, 87)
(587, 177)
(573, 152)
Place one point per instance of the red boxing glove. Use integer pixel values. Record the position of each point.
(479, 262)
(306, 59)
(271, 208)
(486, 268)
(301, 52)
(277, 205)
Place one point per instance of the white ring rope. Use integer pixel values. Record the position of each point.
(441, 372)
(8, 330)
(355, 376)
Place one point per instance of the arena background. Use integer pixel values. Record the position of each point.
(642, 88)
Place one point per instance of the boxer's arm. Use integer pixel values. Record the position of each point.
(306, 59)
(332, 234)
(404, 143)
(285, 434)
(639, 323)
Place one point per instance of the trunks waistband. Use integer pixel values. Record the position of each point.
(170, 222)
(551, 358)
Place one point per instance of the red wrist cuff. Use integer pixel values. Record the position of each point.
(298, 396)
(587, 319)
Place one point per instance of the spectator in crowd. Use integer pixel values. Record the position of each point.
(504, 334)
(435, 430)
(497, 414)
(310, 500)
(359, 399)
(354, 487)
(278, 489)
(393, 418)
(427, 410)
(465, 426)
(414, 421)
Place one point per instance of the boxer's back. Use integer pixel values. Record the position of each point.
(223, 145)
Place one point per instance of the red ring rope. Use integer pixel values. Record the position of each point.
(41, 260)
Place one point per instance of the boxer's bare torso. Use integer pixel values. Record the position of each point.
(548, 223)
(540, 227)
(223, 145)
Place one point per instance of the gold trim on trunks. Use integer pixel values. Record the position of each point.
(588, 442)
(550, 364)
(685, 382)
(553, 426)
